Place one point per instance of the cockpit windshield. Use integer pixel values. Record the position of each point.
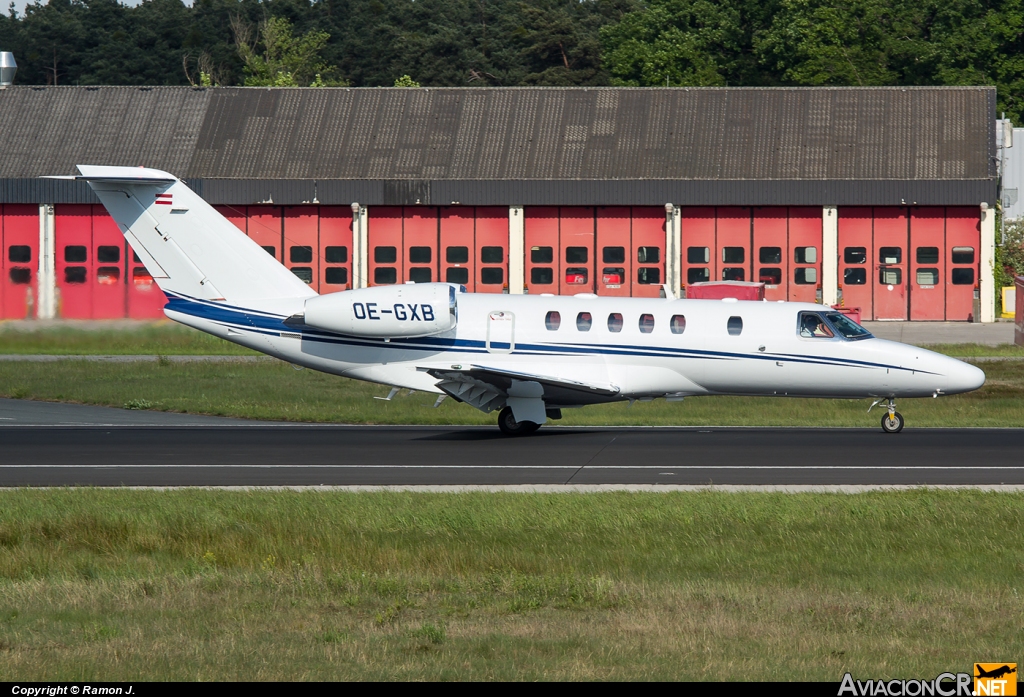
(847, 327)
(813, 326)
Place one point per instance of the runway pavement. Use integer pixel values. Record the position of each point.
(62, 445)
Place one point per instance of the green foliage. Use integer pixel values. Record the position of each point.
(286, 60)
(1009, 261)
(406, 81)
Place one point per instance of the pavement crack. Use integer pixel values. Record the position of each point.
(594, 457)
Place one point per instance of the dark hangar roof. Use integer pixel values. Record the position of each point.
(753, 146)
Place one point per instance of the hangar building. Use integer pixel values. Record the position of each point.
(877, 198)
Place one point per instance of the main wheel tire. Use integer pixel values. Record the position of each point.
(510, 427)
(893, 426)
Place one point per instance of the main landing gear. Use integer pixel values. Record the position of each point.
(510, 427)
(892, 421)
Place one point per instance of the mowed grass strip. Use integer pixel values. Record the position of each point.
(209, 585)
(162, 337)
(275, 391)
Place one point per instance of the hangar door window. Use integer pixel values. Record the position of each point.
(855, 277)
(21, 253)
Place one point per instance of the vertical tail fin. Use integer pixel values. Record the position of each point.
(190, 248)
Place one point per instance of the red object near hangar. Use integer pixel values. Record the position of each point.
(717, 290)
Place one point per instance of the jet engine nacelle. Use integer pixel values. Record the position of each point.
(386, 312)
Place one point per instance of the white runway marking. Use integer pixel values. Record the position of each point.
(535, 467)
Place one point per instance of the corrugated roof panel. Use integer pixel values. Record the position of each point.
(467, 132)
(493, 138)
(547, 137)
(520, 135)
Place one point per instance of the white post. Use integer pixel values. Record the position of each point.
(46, 278)
(673, 249)
(516, 250)
(360, 248)
(987, 285)
(829, 255)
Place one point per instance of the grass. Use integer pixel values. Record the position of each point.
(274, 390)
(206, 585)
(150, 338)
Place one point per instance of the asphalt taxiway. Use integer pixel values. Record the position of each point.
(70, 445)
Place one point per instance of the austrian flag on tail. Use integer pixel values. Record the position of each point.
(163, 199)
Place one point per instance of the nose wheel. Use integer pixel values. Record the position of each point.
(892, 421)
(510, 427)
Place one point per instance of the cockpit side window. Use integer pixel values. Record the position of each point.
(811, 325)
(847, 327)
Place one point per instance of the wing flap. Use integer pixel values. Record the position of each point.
(487, 388)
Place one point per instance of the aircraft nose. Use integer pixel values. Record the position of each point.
(963, 377)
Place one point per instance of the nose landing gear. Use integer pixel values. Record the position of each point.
(892, 421)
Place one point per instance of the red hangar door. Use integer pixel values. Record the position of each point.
(890, 272)
(542, 264)
(963, 239)
(491, 244)
(927, 263)
(697, 226)
(302, 243)
(19, 242)
(458, 247)
(73, 260)
(420, 240)
(771, 251)
(384, 234)
(648, 251)
(335, 248)
(805, 254)
(614, 251)
(110, 297)
(264, 225)
(576, 240)
(856, 260)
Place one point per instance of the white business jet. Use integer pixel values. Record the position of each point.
(526, 356)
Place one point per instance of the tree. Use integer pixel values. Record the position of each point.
(286, 60)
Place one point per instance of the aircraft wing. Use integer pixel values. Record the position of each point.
(487, 388)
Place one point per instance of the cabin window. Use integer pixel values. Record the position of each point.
(697, 276)
(736, 273)
(270, 249)
(677, 324)
(420, 255)
(770, 255)
(584, 321)
(385, 255)
(336, 276)
(927, 277)
(575, 255)
(962, 277)
(541, 255)
(806, 276)
(456, 274)
(542, 275)
(733, 255)
(812, 326)
(74, 274)
(805, 255)
(961, 255)
(108, 254)
(855, 255)
(336, 255)
(303, 273)
(648, 275)
(735, 326)
(613, 276)
(890, 255)
(698, 255)
(457, 255)
(419, 274)
(648, 255)
(22, 253)
(492, 276)
(300, 254)
(20, 277)
(615, 322)
(855, 277)
(384, 275)
(613, 255)
(646, 324)
(770, 275)
(492, 255)
(75, 253)
(576, 275)
(553, 321)
(890, 276)
(927, 255)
